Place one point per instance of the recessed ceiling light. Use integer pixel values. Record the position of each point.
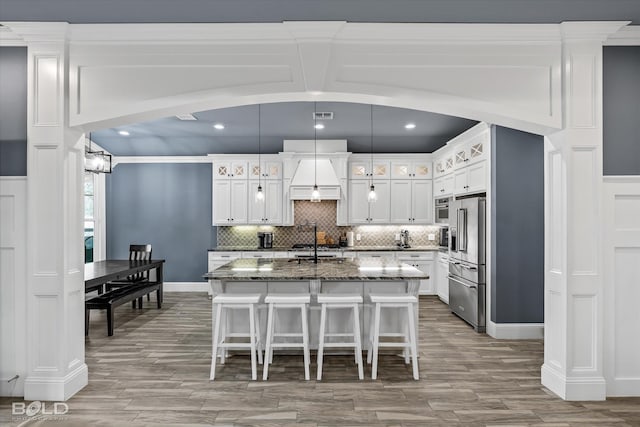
(124, 133)
(219, 126)
(186, 117)
(319, 126)
(410, 126)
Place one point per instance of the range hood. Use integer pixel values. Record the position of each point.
(304, 179)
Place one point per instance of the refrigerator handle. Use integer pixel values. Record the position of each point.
(462, 230)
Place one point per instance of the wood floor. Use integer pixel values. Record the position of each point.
(155, 371)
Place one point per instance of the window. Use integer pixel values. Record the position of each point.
(89, 218)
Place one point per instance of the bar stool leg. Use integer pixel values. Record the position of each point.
(223, 333)
(357, 339)
(252, 333)
(258, 331)
(376, 338)
(412, 336)
(323, 317)
(267, 353)
(370, 336)
(407, 338)
(214, 348)
(305, 340)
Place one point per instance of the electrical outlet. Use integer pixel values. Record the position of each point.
(431, 237)
(397, 237)
(358, 237)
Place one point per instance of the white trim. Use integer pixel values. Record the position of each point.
(56, 389)
(13, 178)
(9, 39)
(186, 286)
(159, 159)
(515, 331)
(627, 36)
(576, 389)
(622, 179)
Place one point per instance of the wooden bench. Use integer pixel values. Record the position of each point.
(112, 299)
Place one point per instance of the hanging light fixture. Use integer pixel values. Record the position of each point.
(96, 161)
(259, 193)
(372, 196)
(315, 194)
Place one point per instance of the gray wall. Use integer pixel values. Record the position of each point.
(166, 205)
(621, 86)
(517, 227)
(13, 111)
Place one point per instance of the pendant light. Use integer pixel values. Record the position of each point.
(372, 196)
(96, 161)
(259, 193)
(315, 194)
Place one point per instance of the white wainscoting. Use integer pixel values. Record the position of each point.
(13, 275)
(622, 285)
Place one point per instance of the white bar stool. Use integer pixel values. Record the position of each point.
(340, 301)
(289, 301)
(226, 302)
(401, 301)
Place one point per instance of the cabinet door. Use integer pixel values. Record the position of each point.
(477, 149)
(438, 188)
(358, 205)
(381, 169)
(422, 201)
(256, 209)
(273, 202)
(421, 170)
(443, 281)
(426, 285)
(221, 198)
(477, 177)
(460, 181)
(239, 211)
(359, 170)
(221, 170)
(239, 170)
(447, 184)
(268, 169)
(401, 169)
(400, 206)
(379, 211)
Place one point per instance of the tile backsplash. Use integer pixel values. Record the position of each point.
(324, 213)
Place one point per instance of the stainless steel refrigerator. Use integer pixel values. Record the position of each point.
(467, 269)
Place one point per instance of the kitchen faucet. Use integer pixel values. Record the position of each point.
(315, 237)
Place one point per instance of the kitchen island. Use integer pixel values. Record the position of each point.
(333, 275)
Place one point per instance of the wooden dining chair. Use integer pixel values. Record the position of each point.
(136, 253)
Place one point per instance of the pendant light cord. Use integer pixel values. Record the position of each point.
(371, 180)
(259, 148)
(315, 143)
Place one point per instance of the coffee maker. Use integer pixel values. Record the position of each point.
(265, 240)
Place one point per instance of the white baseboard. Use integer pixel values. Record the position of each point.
(623, 387)
(56, 389)
(14, 388)
(575, 389)
(515, 331)
(186, 286)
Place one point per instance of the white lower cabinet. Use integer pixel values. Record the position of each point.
(423, 261)
(442, 277)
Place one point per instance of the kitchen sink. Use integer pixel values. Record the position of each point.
(321, 258)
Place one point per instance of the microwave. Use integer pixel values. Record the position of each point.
(442, 211)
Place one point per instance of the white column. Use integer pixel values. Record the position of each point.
(56, 369)
(573, 342)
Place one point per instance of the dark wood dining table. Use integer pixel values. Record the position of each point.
(97, 274)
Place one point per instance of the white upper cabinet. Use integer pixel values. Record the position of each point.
(230, 202)
(443, 186)
(443, 164)
(363, 212)
(411, 201)
(267, 169)
(230, 170)
(472, 179)
(269, 210)
(365, 169)
(409, 169)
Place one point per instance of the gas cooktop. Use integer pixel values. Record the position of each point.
(310, 246)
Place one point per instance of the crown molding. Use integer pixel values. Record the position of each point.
(34, 32)
(590, 31)
(9, 38)
(627, 36)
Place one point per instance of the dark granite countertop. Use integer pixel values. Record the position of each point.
(350, 249)
(266, 269)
